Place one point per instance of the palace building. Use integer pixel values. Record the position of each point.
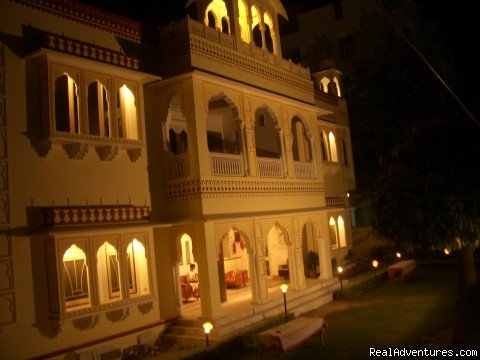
(123, 160)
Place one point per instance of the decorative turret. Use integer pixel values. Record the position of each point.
(249, 21)
(327, 79)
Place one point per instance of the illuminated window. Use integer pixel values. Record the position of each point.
(333, 147)
(137, 270)
(256, 32)
(126, 114)
(335, 80)
(341, 232)
(66, 105)
(324, 84)
(333, 233)
(216, 16)
(108, 273)
(300, 144)
(75, 279)
(243, 21)
(98, 117)
(325, 146)
(269, 33)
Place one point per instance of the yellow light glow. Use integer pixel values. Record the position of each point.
(375, 263)
(284, 288)
(243, 21)
(74, 253)
(333, 146)
(335, 80)
(207, 327)
(348, 195)
(339, 269)
(446, 251)
(399, 255)
(218, 8)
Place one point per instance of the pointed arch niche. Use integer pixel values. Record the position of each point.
(216, 16)
(269, 145)
(235, 264)
(226, 138)
(176, 139)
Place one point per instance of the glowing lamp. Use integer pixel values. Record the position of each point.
(399, 255)
(339, 269)
(207, 327)
(375, 263)
(446, 251)
(284, 288)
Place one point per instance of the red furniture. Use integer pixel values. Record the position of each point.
(187, 291)
(236, 278)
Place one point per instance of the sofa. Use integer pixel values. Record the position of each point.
(187, 291)
(236, 278)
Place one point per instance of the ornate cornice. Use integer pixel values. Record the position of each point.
(89, 51)
(87, 15)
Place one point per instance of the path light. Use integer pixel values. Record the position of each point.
(446, 251)
(284, 288)
(399, 255)
(207, 327)
(375, 266)
(340, 271)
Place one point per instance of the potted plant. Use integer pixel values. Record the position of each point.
(311, 264)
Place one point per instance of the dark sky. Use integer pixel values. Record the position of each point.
(456, 22)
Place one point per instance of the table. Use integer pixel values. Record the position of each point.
(291, 334)
(402, 269)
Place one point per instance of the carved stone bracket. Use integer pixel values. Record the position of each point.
(76, 150)
(134, 154)
(107, 153)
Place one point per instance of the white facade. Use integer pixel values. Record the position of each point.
(246, 169)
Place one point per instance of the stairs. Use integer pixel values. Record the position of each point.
(188, 334)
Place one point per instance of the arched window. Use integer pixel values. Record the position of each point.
(187, 250)
(335, 80)
(137, 270)
(223, 131)
(267, 139)
(66, 105)
(75, 279)
(225, 25)
(243, 21)
(215, 14)
(98, 116)
(341, 232)
(325, 146)
(256, 32)
(269, 32)
(333, 233)
(325, 81)
(333, 147)
(108, 273)
(300, 145)
(127, 126)
(211, 19)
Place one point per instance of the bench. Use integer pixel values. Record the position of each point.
(291, 334)
(402, 269)
(236, 278)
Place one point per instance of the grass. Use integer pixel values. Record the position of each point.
(387, 315)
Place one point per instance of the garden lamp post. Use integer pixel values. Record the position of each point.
(375, 266)
(340, 271)
(284, 288)
(207, 327)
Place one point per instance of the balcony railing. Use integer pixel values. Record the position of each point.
(271, 168)
(304, 170)
(226, 164)
(326, 97)
(335, 202)
(179, 166)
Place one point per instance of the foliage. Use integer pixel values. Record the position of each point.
(311, 262)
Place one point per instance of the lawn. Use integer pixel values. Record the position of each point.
(388, 315)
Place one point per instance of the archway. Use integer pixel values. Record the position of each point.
(278, 256)
(235, 260)
(311, 250)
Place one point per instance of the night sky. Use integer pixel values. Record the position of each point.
(456, 24)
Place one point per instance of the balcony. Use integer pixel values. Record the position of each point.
(323, 97)
(335, 202)
(227, 164)
(190, 44)
(304, 170)
(269, 168)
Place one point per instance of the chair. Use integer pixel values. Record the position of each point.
(187, 291)
(236, 278)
